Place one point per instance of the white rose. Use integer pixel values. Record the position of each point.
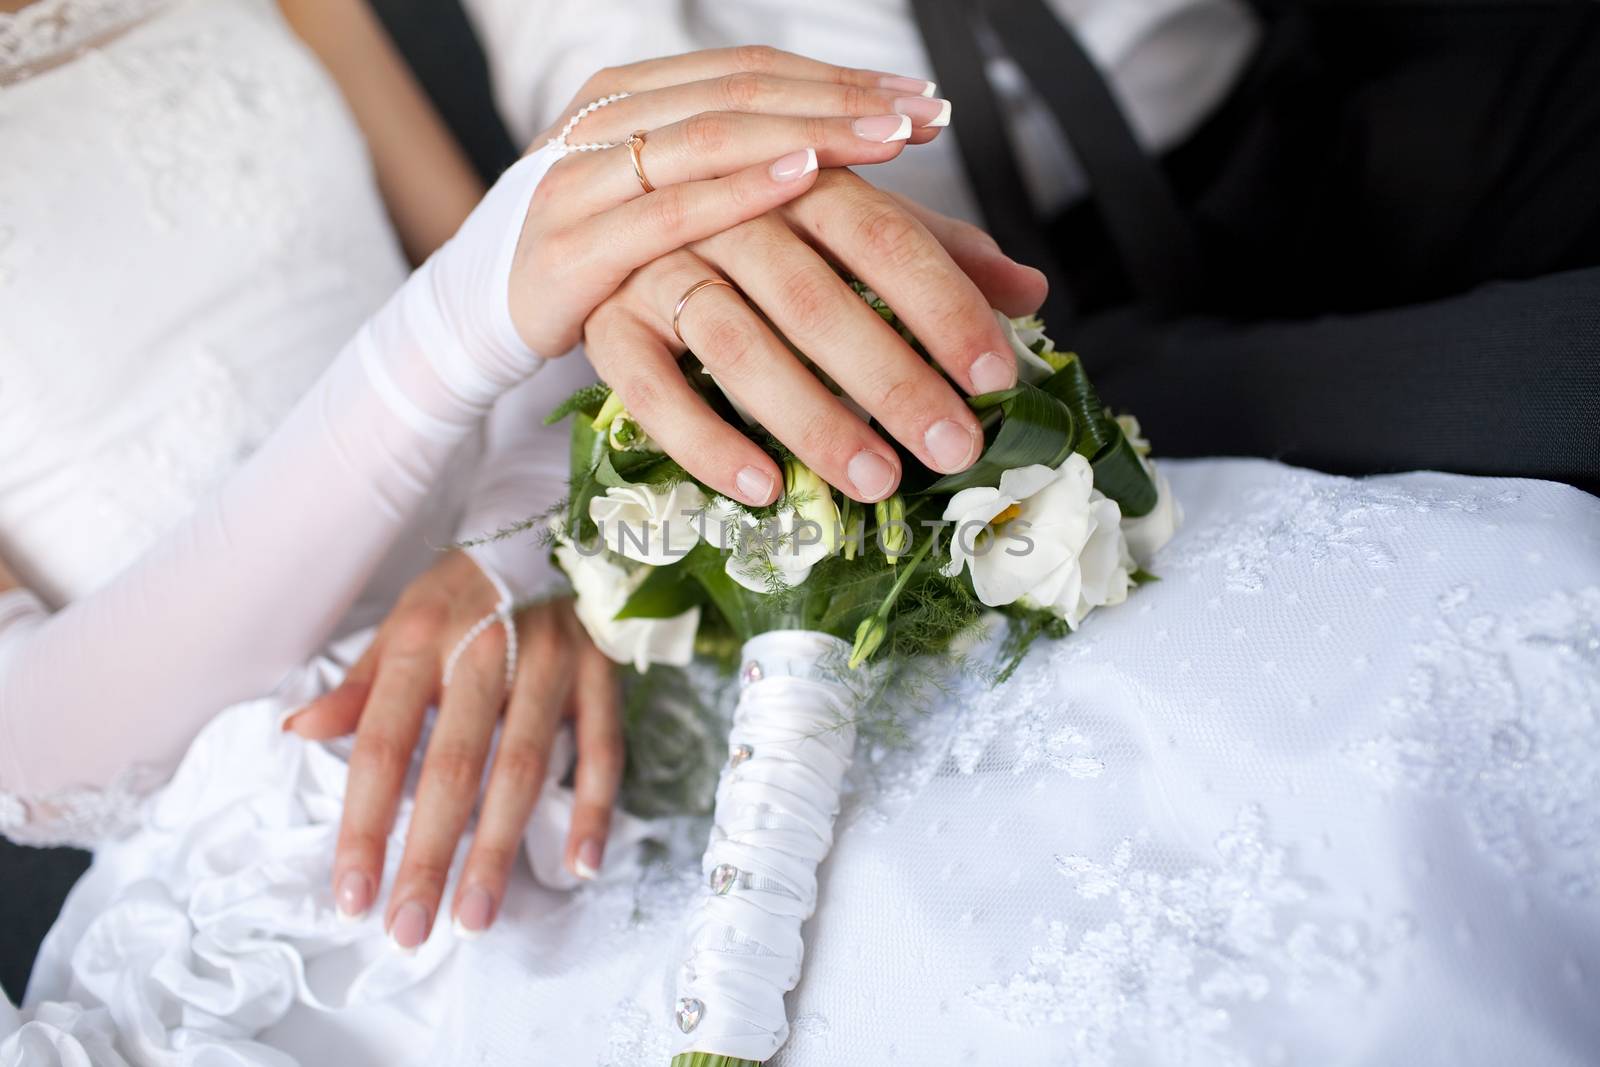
(1030, 368)
(1102, 574)
(1149, 533)
(1016, 536)
(648, 525)
(1046, 538)
(769, 553)
(603, 587)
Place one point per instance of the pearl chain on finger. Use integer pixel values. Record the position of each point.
(559, 141)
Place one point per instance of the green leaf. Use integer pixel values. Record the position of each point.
(587, 400)
(1035, 427)
(1118, 471)
(1120, 474)
(1071, 386)
(665, 592)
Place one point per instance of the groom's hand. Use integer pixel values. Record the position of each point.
(383, 700)
(940, 275)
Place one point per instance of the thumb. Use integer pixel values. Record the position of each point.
(338, 711)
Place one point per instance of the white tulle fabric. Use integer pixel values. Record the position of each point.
(1329, 792)
(189, 232)
(794, 732)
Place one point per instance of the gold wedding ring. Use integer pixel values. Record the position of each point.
(635, 145)
(677, 313)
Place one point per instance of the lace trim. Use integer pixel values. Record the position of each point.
(49, 32)
(81, 817)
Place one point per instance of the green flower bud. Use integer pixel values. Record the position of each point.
(869, 638)
(608, 412)
(894, 536)
(625, 435)
(847, 519)
(812, 501)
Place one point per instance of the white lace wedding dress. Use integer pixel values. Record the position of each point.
(1329, 792)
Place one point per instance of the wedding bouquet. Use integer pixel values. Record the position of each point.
(820, 593)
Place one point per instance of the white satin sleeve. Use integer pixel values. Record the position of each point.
(525, 470)
(256, 578)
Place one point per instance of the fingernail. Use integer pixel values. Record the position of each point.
(587, 863)
(795, 165)
(923, 112)
(410, 927)
(354, 895)
(288, 720)
(871, 474)
(992, 372)
(896, 84)
(881, 129)
(474, 914)
(755, 486)
(952, 445)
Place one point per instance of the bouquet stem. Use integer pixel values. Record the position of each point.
(790, 746)
(706, 1059)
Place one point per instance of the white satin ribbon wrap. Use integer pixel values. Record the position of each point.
(774, 823)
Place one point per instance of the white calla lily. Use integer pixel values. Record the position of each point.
(649, 525)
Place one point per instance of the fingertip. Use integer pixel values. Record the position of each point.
(794, 167)
(757, 485)
(588, 858)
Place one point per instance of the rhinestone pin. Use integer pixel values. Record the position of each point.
(751, 672)
(689, 1013)
(723, 875)
(739, 754)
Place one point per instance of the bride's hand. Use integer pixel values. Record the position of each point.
(384, 698)
(940, 275)
(730, 134)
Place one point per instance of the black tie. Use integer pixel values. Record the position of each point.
(1147, 228)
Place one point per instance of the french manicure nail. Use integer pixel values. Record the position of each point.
(992, 372)
(474, 914)
(410, 927)
(795, 165)
(897, 84)
(871, 474)
(586, 864)
(952, 445)
(354, 895)
(755, 486)
(924, 113)
(881, 129)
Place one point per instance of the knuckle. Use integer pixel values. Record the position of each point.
(455, 768)
(379, 755)
(757, 58)
(359, 847)
(668, 210)
(707, 133)
(492, 857)
(417, 627)
(810, 304)
(520, 765)
(858, 101)
(741, 91)
(888, 235)
(603, 763)
(424, 873)
(643, 398)
(902, 398)
(729, 342)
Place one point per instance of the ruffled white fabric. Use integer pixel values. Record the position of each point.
(1327, 792)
